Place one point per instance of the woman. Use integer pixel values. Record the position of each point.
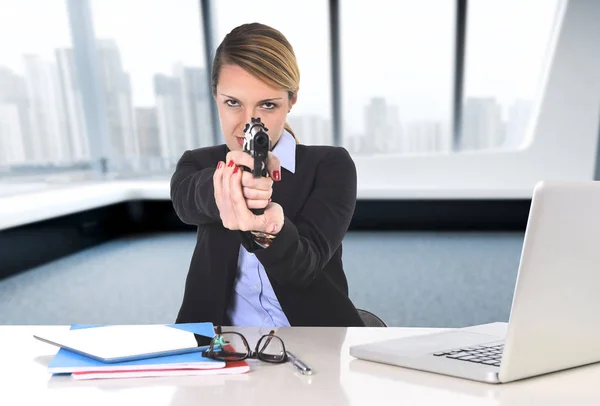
(294, 276)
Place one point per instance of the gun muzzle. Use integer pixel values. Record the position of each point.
(258, 144)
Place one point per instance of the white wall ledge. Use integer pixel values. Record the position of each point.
(33, 206)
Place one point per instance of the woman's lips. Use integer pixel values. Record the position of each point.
(240, 140)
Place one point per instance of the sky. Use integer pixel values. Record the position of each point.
(401, 50)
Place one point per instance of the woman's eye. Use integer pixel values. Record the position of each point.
(231, 103)
(269, 105)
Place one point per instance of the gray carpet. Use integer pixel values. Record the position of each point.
(407, 278)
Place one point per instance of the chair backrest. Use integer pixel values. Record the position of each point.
(370, 319)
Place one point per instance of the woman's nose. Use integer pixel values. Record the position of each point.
(250, 114)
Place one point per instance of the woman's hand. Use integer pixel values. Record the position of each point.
(233, 206)
(257, 191)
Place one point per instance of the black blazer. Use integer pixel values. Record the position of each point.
(303, 263)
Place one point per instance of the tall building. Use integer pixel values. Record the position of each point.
(148, 134)
(376, 126)
(169, 114)
(482, 126)
(14, 101)
(183, 111)
(447, 136)
(351, 141)
(48, 126)
(119, 105)
(311, 129)
(424, 137)
(518, 120)
(196, 97)
(12, 150)
(382, 133)
(395, 135)
(75, 132)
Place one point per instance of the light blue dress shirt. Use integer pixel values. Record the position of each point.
(254, 302)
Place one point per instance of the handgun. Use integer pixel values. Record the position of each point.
(258, 144)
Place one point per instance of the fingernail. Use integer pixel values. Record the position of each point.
(269, 200)
(237, 168)
(276, 175)
(220, 165)
(274, 228)
(231, 163)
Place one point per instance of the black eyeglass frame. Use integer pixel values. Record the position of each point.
(258, 353)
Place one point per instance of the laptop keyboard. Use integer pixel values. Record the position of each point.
(479, 354)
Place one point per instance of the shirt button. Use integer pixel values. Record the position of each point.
(266, 320)
(256, 287)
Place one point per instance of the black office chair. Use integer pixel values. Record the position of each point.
(370, 319)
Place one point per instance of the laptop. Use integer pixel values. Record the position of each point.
(554, 321)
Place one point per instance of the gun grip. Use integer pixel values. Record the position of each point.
(258, 212)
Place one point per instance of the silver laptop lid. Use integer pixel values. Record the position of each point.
(555, 315)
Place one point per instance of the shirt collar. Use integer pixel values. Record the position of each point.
(285, 150)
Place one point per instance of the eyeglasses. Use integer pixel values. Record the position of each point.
(234, 347)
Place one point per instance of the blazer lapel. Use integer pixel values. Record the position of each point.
(285, 192)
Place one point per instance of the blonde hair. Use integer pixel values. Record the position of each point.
(263, 52)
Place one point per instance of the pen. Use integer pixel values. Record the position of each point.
(299, 365)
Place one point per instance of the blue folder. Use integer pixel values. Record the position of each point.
(66, 362)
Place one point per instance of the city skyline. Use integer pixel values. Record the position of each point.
(147, 96)
(412, 69)
(42, 118)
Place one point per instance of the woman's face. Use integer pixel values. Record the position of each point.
(241, 96)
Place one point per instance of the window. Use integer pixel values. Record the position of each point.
(41, 118)
(396, 66)
(307, 29)
(153, 79)
(507, 43)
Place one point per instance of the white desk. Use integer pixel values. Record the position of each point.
(339, 379)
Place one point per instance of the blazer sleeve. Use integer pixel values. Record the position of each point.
(301, 250)
(193, 193)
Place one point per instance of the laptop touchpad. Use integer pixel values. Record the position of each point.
(425, 344)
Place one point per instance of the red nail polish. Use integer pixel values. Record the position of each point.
(220, 165)
(276, 175)
(237, 168)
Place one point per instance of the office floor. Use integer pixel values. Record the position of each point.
(429, 279)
